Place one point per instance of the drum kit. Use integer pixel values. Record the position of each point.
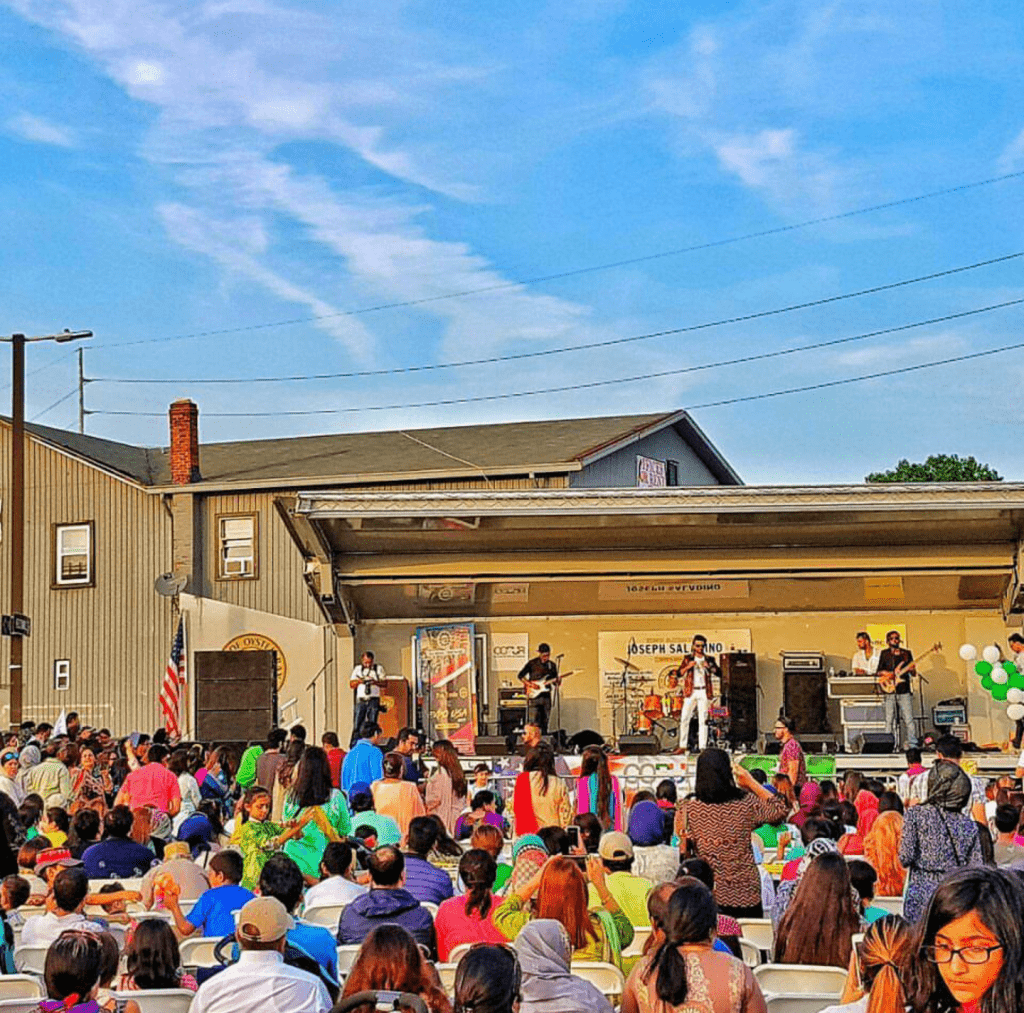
(645, 711)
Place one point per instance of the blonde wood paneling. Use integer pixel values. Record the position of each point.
(117, 633)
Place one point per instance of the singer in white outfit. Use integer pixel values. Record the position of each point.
(696, 672)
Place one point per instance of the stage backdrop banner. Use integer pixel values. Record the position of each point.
(877, 632)
(509, 651)
(447, 674)
(655, 654)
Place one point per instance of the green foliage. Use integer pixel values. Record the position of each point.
(938, 468)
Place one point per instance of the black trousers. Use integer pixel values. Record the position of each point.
(540, 711)
(366, 710)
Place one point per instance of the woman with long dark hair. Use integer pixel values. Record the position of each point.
(394, 796)
(968, 953)
(597, 791)
(729, 804)
(540, 798)
(313, 789)
(685, 972)
(447, 792)
(153, 960)
(822, 917)
(938, 836)
(468, 918)
(390, 961)
(488, 980)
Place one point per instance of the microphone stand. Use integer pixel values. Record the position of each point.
(558, 704)
(921, 680)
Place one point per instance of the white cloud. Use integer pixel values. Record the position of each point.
(1012, 158)
(35, 128)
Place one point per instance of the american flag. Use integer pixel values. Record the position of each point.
(172, 690)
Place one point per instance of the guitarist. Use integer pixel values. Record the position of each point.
(542, 671)
(890, 661)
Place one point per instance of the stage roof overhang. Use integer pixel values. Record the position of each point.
(798, 548)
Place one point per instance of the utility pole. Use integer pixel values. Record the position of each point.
(81, 390)
(17, 494)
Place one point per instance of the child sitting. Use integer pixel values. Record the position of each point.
(212, 913)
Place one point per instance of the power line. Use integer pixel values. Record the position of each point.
(746, 317)
(600, 383)
(45, 365)
(59, 401)
(574, 272)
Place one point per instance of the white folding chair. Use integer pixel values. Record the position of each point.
(800, 979)
(31, 911)
(30, 959)
(799, 1003)
(20, 986)
(751, 954)
(606, 978)
(893, 905)
(197, 951)
(346, 957)
(328, 914)
(160, 1000)
(760, 932)
(458, 952)
(641, 933)
(157, 914)
(23, 1005)
(430, 906)
(446, 972)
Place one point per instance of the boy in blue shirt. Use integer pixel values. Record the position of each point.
(213, 914)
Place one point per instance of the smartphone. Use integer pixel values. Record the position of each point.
(134, 738)
(574, 836)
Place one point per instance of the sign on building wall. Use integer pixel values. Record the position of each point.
(258, 642)
(447, 675)
(623, 590)
(655, 654)
(509, 651)
(502, 593)
(650, 473)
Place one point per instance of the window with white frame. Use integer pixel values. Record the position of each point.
(236, 538)
(62, 674)
(73, 555)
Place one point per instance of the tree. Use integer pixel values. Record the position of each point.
(938, 468)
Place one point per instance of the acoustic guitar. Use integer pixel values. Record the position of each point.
(887, 680)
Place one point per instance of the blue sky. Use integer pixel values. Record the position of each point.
(168, 169)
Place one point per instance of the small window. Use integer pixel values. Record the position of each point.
(236, 558)
(671, 472)
(62, 674)
(73, 555)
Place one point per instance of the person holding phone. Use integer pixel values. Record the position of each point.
(630, 891)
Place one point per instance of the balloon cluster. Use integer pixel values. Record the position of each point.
(1000, 678)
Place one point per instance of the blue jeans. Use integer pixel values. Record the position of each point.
(904, 702)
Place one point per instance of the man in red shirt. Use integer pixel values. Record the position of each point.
(153, 785)
(335, 756)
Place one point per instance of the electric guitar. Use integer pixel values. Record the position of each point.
(534, 689)
(887, 680)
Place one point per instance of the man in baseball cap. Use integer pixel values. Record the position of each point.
(261, 981)
(630, 892)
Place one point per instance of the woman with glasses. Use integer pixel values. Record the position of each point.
(487, 980)
(970, 957)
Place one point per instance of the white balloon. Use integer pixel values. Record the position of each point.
(1015, 711)
(999, 676)
(968, 652)
(991, 654)
(1015, 695)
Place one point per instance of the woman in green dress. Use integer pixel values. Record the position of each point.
(313, 801)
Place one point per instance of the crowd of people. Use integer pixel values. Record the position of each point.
(286, 850)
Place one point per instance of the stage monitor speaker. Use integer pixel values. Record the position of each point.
(739, 694)
(806, 702)
(491, 745)
(639, 745)
(587, 737)
(874, 742)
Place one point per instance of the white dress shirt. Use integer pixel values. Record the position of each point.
(261, 982)
(861, 660)
(366, 691)
(333, 891)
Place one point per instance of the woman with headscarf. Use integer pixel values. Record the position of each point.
(528, 856)
(938, 836)
(653, 859)
(882, 850)
(866, 805)
(548, 986)
(810, 795)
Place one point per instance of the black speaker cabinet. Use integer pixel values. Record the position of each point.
(874, 742)
(638, 745)
(806, 702)
(739, 694)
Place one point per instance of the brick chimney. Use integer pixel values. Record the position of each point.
(184, 419)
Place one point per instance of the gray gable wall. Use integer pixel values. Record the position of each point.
(618, 470)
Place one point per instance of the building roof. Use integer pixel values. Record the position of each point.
(545, 447)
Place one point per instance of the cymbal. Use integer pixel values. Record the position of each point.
(627, 665)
